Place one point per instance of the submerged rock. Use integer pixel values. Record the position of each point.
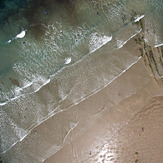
(15, 82)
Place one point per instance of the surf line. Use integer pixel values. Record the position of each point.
(120, 43)
(132, 64)
(158, 45)
(53, 113)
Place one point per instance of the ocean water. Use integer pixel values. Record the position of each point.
(54, 54)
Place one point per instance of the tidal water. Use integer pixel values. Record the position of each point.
(54, 54)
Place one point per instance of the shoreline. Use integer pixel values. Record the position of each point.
(139, 82)
(109, 122)
(80, 143)
(83, 118)
(95, 59)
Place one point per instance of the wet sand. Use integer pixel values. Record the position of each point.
(126, 127)
(120, 123)
(119, 137)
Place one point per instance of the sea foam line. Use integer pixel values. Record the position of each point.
(36, 90)
(110, 81)
(110, 38)
(47, 117)
(67, 61)
(120, 43)
(22, 95)
(34, 126)
(96, 42)
(53, 113)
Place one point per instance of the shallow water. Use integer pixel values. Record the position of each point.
(56, 31)
(54, 54)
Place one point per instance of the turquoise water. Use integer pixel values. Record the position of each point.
(53, 54)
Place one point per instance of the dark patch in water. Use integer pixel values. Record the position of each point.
(37, 31)
(0, 160)
(36, 13)
(9, 8)
(15, 82)
(37, 9)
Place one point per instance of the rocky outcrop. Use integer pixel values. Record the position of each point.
(153, 56)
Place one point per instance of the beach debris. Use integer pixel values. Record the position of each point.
(61, 31)
(78, 34)
(143, 129)
(136, 161)
(136, 153)
(126, 123)
(90, 153)
(98, 13)
(46, 12)
(76, 40)
(123, 18)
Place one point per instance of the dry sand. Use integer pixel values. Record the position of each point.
(128, 130)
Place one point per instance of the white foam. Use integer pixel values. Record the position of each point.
(97, 41)
(121, 43)
(27, 85)
(4, 103)
(35, 85)
(53, 112)
(38, 86)
(19, 89)
(72, 126)
(139, 18)
(68, 60)
(109, 82)
(34, 126)
(21, 34)
(158, 45)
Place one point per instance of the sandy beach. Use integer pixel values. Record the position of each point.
(127, 131)
(120, 123)
(81, 81)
